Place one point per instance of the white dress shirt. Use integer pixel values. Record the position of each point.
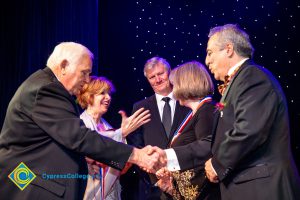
(161, 104)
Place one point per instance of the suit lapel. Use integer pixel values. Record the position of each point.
(223, 99)
(237, 73)
(176, 120)
(215, 125)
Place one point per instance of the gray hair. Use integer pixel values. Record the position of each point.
(239, 38)
(70, 51)
(154, 61)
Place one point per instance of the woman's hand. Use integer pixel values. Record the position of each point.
(137, 119)
(166, 185)
(94, 166)
(163, 173)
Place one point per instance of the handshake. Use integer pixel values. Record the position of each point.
(149, 158)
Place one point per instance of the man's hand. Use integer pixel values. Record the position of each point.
(161, 152)
(137, 119)
(147, 159)
(210, 173)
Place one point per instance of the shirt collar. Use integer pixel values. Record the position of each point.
(159, 97)
(232, 69)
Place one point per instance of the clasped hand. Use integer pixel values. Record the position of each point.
(165, 180)
(149, 158)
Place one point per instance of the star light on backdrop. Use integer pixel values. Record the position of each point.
(177, 31)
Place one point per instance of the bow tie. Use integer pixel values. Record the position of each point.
(227, 79)
(222, 87)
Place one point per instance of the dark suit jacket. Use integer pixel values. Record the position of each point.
(196, 153)
(251, 149)
(42, 129)
(153, 133)
(198, 128)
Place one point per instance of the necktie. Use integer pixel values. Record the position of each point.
(166, 116)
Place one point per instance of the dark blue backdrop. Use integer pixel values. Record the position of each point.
(29, 31)
(133, 31)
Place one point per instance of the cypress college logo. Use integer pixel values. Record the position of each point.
(21, 176)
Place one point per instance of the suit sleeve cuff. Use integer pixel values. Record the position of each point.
(212, 167)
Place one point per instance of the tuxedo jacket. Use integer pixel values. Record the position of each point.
(42, 129)
(251, 146)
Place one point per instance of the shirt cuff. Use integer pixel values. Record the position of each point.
(119, 137)
(172, 164)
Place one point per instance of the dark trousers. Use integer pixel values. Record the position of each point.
(136, 185)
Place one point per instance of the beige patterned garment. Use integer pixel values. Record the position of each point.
(187, 191)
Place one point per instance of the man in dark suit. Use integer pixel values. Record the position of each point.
(42, 131)
(157, 71)
(251, 147)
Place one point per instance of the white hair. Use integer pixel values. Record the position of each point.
(70, 51)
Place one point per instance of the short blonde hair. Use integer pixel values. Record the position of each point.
(96, 85)
(191, 81)
(152, 62)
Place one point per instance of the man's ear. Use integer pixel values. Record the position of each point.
(229, 49)
(63, 65)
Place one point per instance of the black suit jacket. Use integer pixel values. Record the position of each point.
(193, 146)
(42, 129)
(251, 149)
(153, 133)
